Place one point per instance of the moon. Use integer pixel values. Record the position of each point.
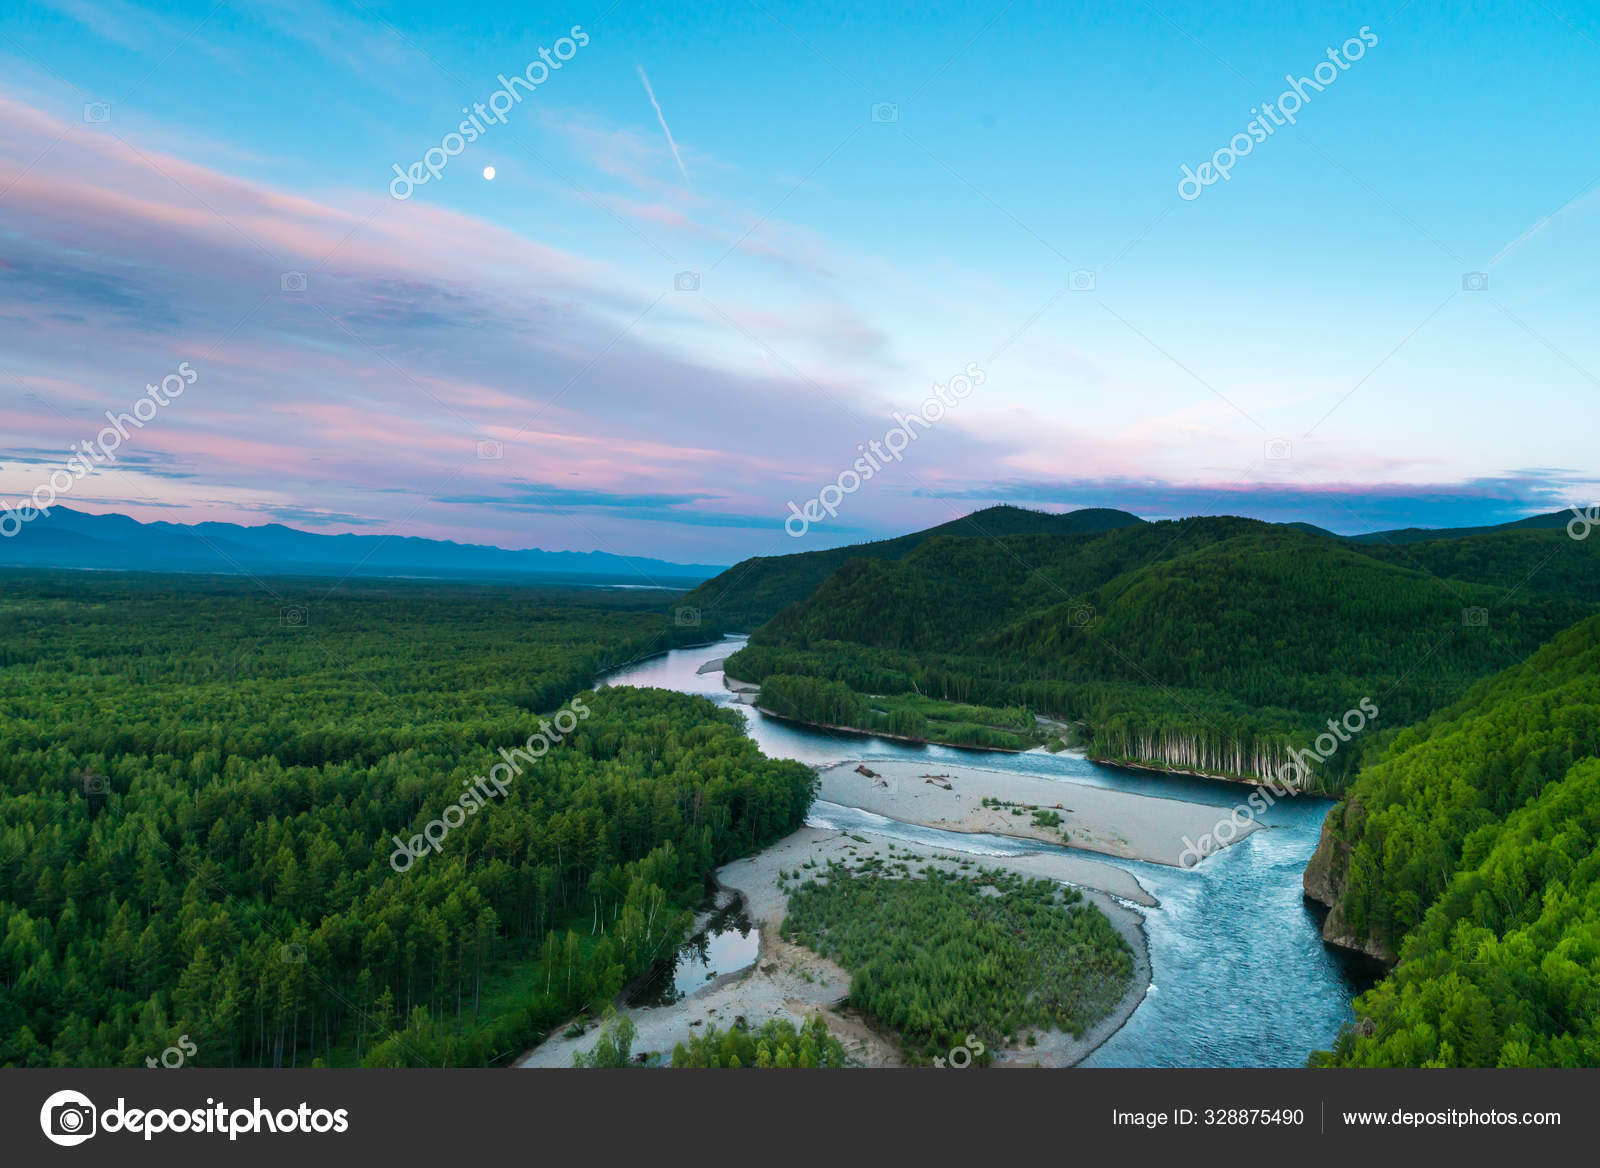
(488, 173)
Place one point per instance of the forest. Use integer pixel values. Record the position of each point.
(202, 783)
(832, 703)
(1471, 852)
(1214, 645)
(747, 595)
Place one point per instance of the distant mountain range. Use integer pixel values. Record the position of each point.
(75, 539)
(745, 595)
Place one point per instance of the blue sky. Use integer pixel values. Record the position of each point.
(870, 200)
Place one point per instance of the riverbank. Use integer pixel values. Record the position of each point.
(1097, 819)
(746, 693)
(606, 671)
(1075, 742)
(1156, 768)
(860, 733)
(793, 983)
(1225, 928)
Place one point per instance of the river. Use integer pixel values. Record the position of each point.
(1240, 976)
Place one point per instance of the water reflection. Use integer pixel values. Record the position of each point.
(727, 943)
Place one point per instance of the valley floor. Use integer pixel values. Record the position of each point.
(787, 981)
(1097, 819)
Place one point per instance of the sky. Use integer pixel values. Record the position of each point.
(725, 245)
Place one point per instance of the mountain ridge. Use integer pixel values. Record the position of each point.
(67, 538)
(1212, 644)
(754, 590)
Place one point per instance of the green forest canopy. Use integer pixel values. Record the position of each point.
(1208, 644)
(1473, 850)
(201, 783)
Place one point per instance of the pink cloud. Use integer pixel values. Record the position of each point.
(425, 331)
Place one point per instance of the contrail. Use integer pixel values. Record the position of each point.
(662, 118)
(1543, 223)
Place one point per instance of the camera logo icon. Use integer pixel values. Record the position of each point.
(885, 111)
(292, 282)
(686, 281)
(1083, 616)
(1278, 449)
(95, 112)
(1083, 280)
(490, 450)
(292, 616)
(68, 1118)
(686, 616)
(1475, 281)
(1475, 618)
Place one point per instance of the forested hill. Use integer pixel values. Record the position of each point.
(1472, 849)
(1213, 644)
(1545, 562)
(752, 591)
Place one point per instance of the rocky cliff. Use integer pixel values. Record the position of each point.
(1323, 881)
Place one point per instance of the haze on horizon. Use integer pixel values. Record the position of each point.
(722, 249)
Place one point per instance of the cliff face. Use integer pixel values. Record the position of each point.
(1335, 932)
(1324, 878)
(1318, 880)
